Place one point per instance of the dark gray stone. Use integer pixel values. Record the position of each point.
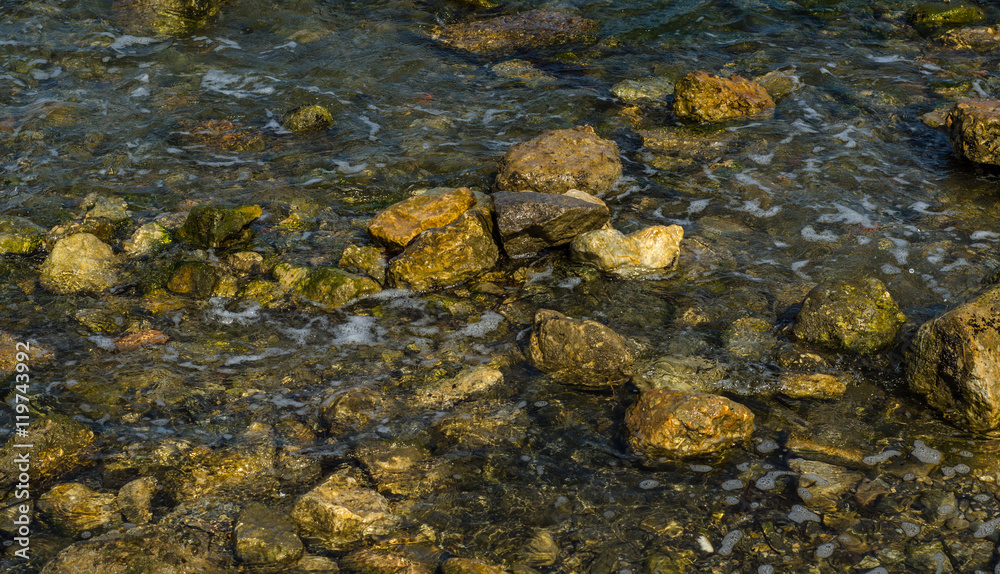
(529, 222)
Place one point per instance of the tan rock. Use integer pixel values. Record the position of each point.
(675, 425)
(560, 160)
(610, 250)
(80, 262)
(397, 225)
(704, 97)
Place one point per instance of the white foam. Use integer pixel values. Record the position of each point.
(810, 234)
(825, 550)
(127, 41)
(217, 312)
(761, 159)
(874, 459)
(732, 484)
(270, 352)
(488, 322)
(800, 514)
(889, 59)
(358, 330)
(106, 343)
(980, 235)
(848, 216)
(745, 179)
(235, 85)
(753, 208)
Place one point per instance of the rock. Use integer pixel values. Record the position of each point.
(646, 89)
(10, 347)
(405, 470)
(680, 373)
(528, 30)
(704, 97)
(930, 16)
(99, 227)
(221, 135)
(560, 160)
(779, 83)
(141, 339)
(929, 557)
(479, 426)
(114, 210)
(579, 352)
(954, 361)
(979, 38)
(246, 466)
(855, 316)
(164, 17)
(374, 561)
(354, 409)
(146, 240)
(750, 338)
(244, 263)
(468, 566)
(973, 128)
(326, 287)
(212, 227)
(822, 486)
(74, 508)
(446, 393)
(655, 247)
(135, 499)
(367, 259)
(307, 119)
(811, 386)
(446, 256)
(340, 512)
(522, 70)
(529, 222)
(19, 236)
(58, 443)
(687, 143)
(397, 225)
(266, 539)
(79, 263)
(194, 278)
(315, 565)
(539, 550)
(151, 549)
(673, 425)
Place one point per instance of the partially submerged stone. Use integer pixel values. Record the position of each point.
(146, 240)
(856, 316)
(680, 373)
(651, 248)
(973, 128)
(398, 224)
(376, 561)
(674, 425)
(811, 386)
(930, 16)
(704, 97)
(560, 160)
(446, 393)
(644, 90)
(210, 227)
(19, 236)
(79, 263)
(135, 499)
(263, 538)
(688, 142)
(822, 485)
(365, 259)
(307, 119)
(779, 83)
(164, 17)
(954, 361)
(528, 30)
(529, 222)
(114, 210)
(327, 287)
(74, 508)
(194, 278)
(579, 352)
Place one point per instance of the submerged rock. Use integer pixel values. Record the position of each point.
(57, 445)
(307, 118)
(954, 362)
(646, 89)
(779, 83)
(655, 247)
(10, 347)
(375, 561)
(675, 425)
(164, 17)
(528, 30)
(265, 539)
(704, 97)
(811, 386)
(448, 255)
(468, 566)
(579, 352)
(539, 550)
(979, 38)
(327, 287)
(19, 236)
(446, 393)
(79, 263)
(397, 225)
(680, 373)
(529, 222)
(560, 160)
(75, 508)
(210, 227)
(689, 142)
(135, 499)
(856, 316)
(194, 278)
(973, 128)
(146, 240)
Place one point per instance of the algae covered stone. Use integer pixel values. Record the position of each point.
(930, 16)
(194, 278)
(20, 236)
(560, 160)
(704, 97)
(265, 538)
(502, 34)
(209, 227)
(398, 224)
(308, 118)
(973, 127)
(676, 425)
(146, 240)
(579, 352)
(327, 287)
(857, 316)
(79, 263)
(164, 17)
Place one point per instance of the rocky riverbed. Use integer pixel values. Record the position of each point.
(480, 287)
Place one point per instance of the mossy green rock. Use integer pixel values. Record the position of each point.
(930, 16)
(211, 227)
(146, 240)
(164, 17)
(79, 263)
(366, 259)
(194, 278)
(327, 287)
(20, 236)
(265, 538)
(308, 118)
(857, 316)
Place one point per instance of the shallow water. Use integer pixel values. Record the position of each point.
(843, 181)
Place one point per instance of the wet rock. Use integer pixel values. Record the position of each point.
(529, 222)
(265, 539)
(146, 240)
(339, 513)
(141, 339)
(479, 426)
(327, 287)
(367, 259)
(652, 248)
(246, 263)
(135, 499)
(930, 557)
(673, 425)
(79, 263)
(522, 70)
(246, 466)
(164, 17)
(779, 83)
(704, 97)
(19, 236)
(811, 386)
(560, 160)
(973, 128)
(57, 445)
(375, 561)
(446, 256)
(680, 373)
(930, 16)
(397, 225)
(221, 135)
(678, 560)
(954, 359)
(315, 565)
(354, 409)
(821, 485)
(539, 550)
(687, 143)
(212, 227)
(579, 352)
(74, 508)
(112, 319)
(979, 38)
(404, 469)
(112, 209)
(194, 278)
(528, 30)
(10, 347)
(307, 119)
(750, 338)
(99, 227)
(446, 393)
(646, 89)
(468, 566)
(151, 549)
(855, 316)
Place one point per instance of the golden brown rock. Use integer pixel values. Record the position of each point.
(74, 508)
(579, 352)
(560, 160)
(973, 127)
(811, 386)
(397, 225)
(532, 29)
(676, 425)
(704, 97)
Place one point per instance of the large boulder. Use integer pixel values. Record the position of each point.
(560, 160)
(974, 130)
(209, 227)
(579, 352)
(79, 263)
(704, 97)
(325, 287)
(651, 248)
(529, 222)
(855, 316)
(398, 224)
(448, 255)
(676, 425)
(164, 17)
(954, 362)
(528, 30)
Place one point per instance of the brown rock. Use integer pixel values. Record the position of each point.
(982, 38)
(579, 352)
(75, 508)
(397, 225)
(374, 561)
(704, 97)
(822, 485)
(811, 386)
(140, 339)
(676, 425)
(560, 160)
(448, 255)
(533, 29)
(974, 130)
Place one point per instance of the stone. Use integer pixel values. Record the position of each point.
(823, 486)
(366, 259)
(750, 338)
(446, 393)
(674, 425)
(954, 362)
(979, 38)
(99, 227)
(704, 97)
(58, 445)
(528, 30)
(930, 16)
(140, 339)
(146, 240)
(221, 135)
(375, 561)
(651, 248)
(397, 225)
(74, 508)
(307, 119)
(79, 263)
(687, 143)
(779, 83)
(579, 352)
(857, 316)
(522, 70)
(246, 466)
(325, 287)
(194, 278)
(339, 513)
(529, 222)
(477, 426)
(11, 347)
(135, 499)
(164, 17)
(112, 209)
(266, 539)
(811, 386)
(680, 373)
(446, 256)
(244, 263)
(973, 128)
(539, 550)
(19, 236)
(560, 160)
(468, 566)
(644, 90)
(212, 227)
